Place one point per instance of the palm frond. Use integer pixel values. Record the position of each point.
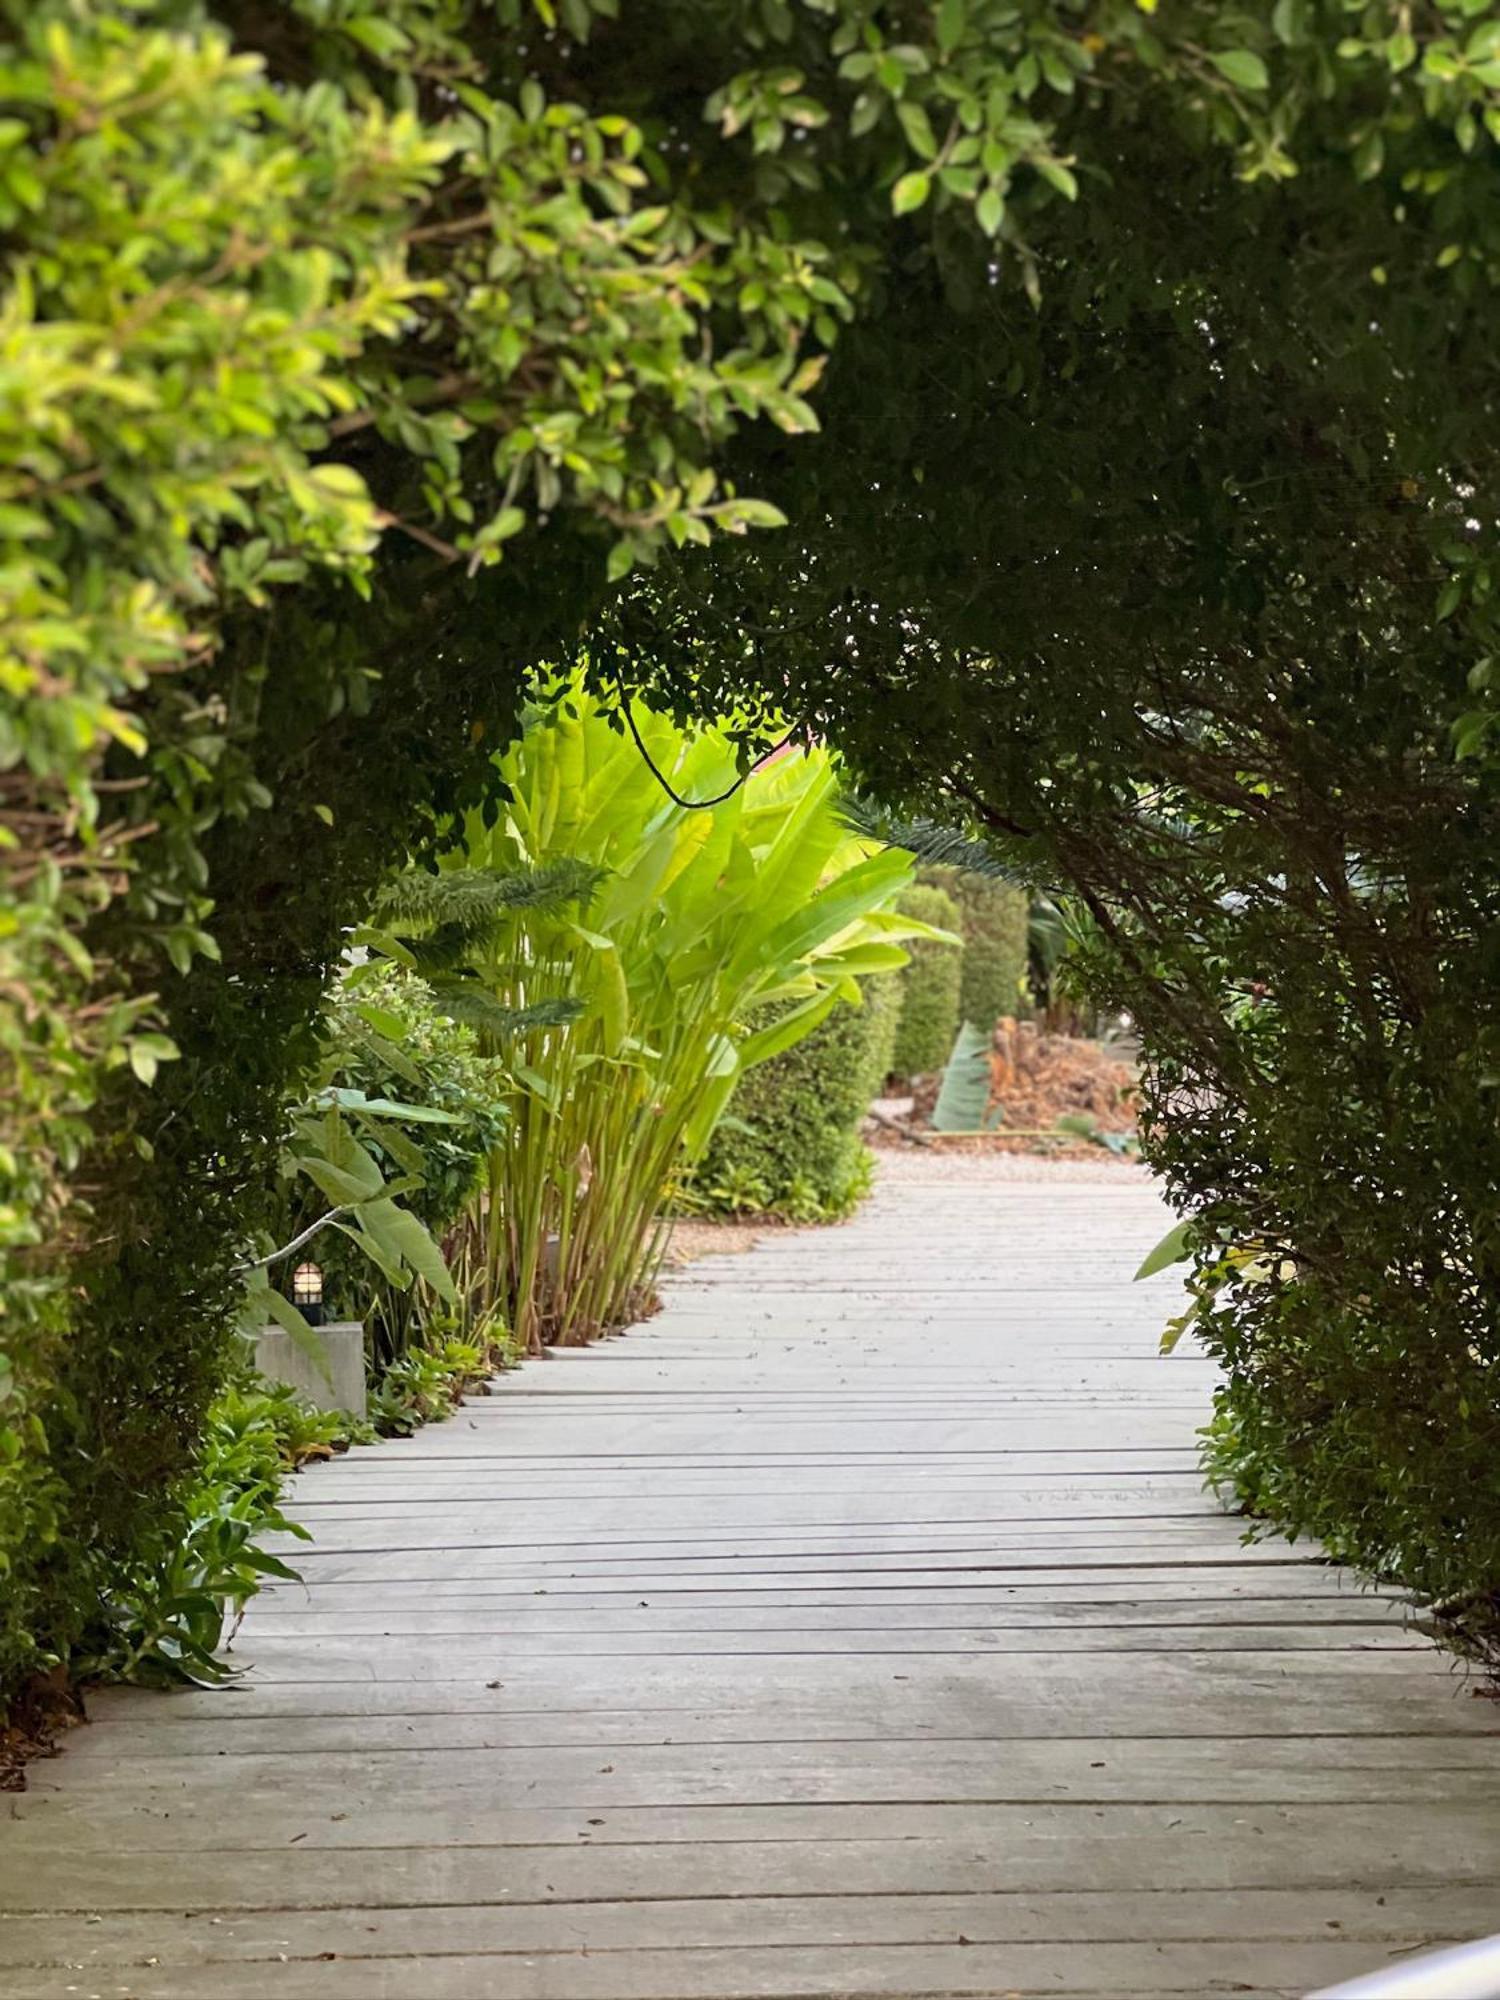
(927, 840)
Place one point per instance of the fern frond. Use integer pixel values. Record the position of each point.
(466, 1001)
(446, 949)
(470, 901)
(926, 840)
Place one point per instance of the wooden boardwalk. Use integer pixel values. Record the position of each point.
(856, 1628)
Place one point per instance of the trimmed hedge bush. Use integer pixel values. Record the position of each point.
(930, 987)
(801, 1155)
(994, 921)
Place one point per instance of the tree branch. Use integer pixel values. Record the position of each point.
(290, 1249)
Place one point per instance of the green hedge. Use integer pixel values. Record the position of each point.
(994, 921)
(929, 987)
(791, 1143)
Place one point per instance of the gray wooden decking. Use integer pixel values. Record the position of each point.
(857, 1627)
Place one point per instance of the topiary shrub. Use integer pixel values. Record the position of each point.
(994, 920)
(929, 987)
(791, 1145)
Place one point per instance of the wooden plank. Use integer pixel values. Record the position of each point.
(1096, 1770)
(1018, 1852)
(533, 1618)
(863, 1602)
(909, 1972)
(1247, 1715)
(1377, 1916)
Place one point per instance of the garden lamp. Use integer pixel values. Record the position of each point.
(307, 1293)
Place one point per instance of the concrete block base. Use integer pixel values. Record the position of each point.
(279, 1359)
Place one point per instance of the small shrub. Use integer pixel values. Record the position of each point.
(162, 1617)
(792, 1145)
(427, 1384)
(930, 987)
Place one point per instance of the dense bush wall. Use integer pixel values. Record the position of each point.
(803, 1110)
(1234, 692)
(930, 987)
(994, 922)
(1187, 364)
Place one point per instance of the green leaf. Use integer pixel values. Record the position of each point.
(1369, 155)
(964, 1095)
(1289, 21)
(1173, 1248)
(919, 133)
(386, 1107)
(910, 192)
(1242, 68)
(303, 1337)
(147, 1052)
(758, 513)
(398, 1230)
(952, 20)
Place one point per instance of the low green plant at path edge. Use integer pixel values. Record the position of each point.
(166, 1619)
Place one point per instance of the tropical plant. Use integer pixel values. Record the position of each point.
(964, 1095)
(333, 1151)
(391, 1042)
(699, 923)
(430, 1379)
(161, 1620)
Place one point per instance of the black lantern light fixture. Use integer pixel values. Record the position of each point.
(307, 1293)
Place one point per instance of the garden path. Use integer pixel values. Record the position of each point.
(857, 1627)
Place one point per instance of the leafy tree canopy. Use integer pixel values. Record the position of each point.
(358, 353)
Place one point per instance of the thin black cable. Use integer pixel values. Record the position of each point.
(695, 805)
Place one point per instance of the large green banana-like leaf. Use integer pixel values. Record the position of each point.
(964, 1095)
(710, 939)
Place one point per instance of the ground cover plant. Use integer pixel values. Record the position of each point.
(359, 359)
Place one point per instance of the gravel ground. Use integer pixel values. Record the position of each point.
(693, 1238)
(957, 1162)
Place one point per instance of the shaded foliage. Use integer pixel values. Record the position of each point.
(1181, 589)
